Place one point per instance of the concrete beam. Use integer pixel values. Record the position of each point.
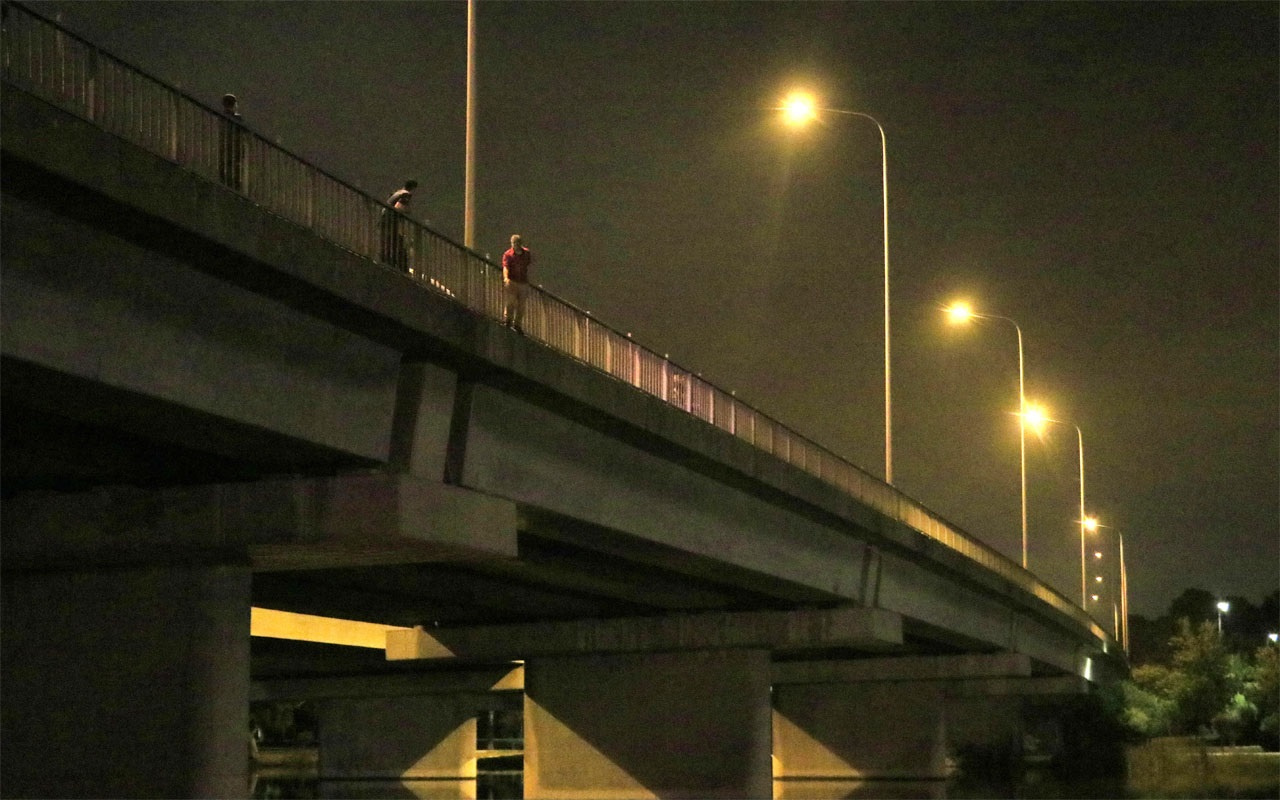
(906, 668)
(382, 518)
(974, 675)
(1037, 687)
(863, 628)
(293, 524)
(273, 624)
(474, 680)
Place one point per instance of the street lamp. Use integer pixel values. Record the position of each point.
(469, 179)
(1087, 523)
(1124, 596)
(1223, 607)
(800, 109)
(962, 312)
(1120, 615)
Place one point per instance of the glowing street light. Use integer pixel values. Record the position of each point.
(1036, 418)
(1223, 607)
(799, 109)
(959, 312)
(962, 312)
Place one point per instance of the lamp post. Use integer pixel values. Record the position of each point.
(469, 192)
(1223, 607)
(799, 109)
(1124, 597)
(1120, 604)
(961, 312)
(1086, 524)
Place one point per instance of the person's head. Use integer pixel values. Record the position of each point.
(516, 242)
(229, 103)
(411, 185)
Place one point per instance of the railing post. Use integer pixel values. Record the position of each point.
(635, 366)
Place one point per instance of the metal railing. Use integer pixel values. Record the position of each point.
(44, 59)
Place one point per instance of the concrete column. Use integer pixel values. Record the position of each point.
(401, 734)
(992, 722)
(424, 744)
(830, 737)
(424, 737)
(129, 682)
(688, 724)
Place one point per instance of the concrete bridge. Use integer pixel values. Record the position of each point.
(216, 399)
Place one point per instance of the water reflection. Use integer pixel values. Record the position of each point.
(491, 786)
(831, 789)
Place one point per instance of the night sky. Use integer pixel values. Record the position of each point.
(1105, 174)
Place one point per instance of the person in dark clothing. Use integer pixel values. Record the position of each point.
(231, 144)
(395, 249)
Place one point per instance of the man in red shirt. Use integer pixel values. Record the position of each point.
(515, 282)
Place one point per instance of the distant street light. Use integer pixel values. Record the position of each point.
(1120, 616)
(800, 109)
(1273, 637)
(962, 312)
(1223, 607)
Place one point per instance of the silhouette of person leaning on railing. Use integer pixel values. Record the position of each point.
(231, 144)
(395, 249)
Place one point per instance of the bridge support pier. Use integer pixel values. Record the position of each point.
(411, 734)
(425, 741)
(892, 724)
(689, 724)
(125, 682)
(832, 737)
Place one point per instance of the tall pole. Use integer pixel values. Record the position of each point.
(1080, 446)
(469, 199)
(1124, 598)
(961, 312)
(801, 108)
(888, 390)
(1022, 439)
